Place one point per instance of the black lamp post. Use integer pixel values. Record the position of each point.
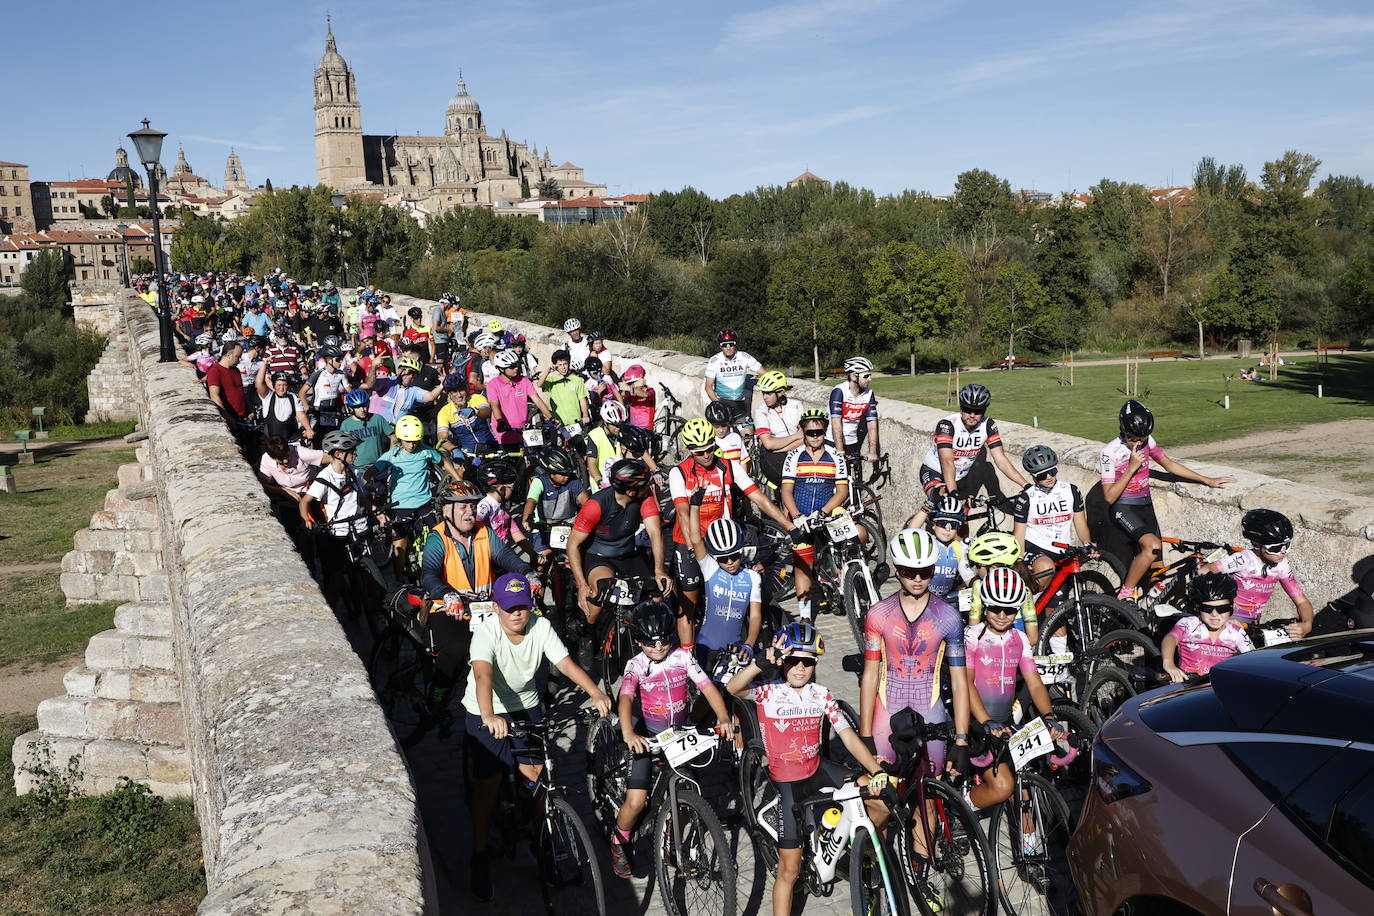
(338, 200)
(148, 143)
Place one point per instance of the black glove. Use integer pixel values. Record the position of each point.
(767, 670)
(958, 758)
(698, 496)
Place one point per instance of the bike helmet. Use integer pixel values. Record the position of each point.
(1038, 459)
(504, 359)
(498, 472)
(1003, 587)
(329, 352)
(949, 508)
(802, 636)
(636, 439)
(455, 381)
(994, 548)
(719, 414)
(727, 335)
(484, 341)
(494, 326)
(410, 429)
(592, 366)
(257, 340)
(286, 377)
(331, 340)
(913, 548)
(572, 324)
(357, 398)
(858, 364)
(338, 440)
(1136, 420)
(974, 398)
(813, 414)
(556, 461)
(654, 621)
(204, 340)
(629, 474)
(634, 373)
(613, 412)
(229, 337)
(1214, 586)
(724, 537)
(1267, 528)
(698, 433)
(409, 364)
(771, 381)
(462, 491)
(595, 335)
(415, 313)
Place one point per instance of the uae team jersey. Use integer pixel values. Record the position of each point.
(1255, 581)
(665, 700)
(716, 480)
(1199, 650)
(729, 377)
(995, 659)
(790, 722)
(1115, 459)
(912, 653)
(1048, 514)
(853, 410)
(966, 444)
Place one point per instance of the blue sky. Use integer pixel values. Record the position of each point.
(724, 96)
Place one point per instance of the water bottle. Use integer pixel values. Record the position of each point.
(1157, 589)
(829, 821)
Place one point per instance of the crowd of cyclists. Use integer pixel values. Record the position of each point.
(528, 520)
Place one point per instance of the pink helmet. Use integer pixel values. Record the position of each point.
(633, 373)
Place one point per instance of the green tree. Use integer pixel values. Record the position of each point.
(193, 253)
(683, 223)
(141, 266)
(1061, 262)
(1358, 284)
(45, 279)
(1252, 289)
(980, 197)
(913, 294)
(548, 189)
(815, 290)
(1017, 306)
(524, 187)
(1349, 201)
(380, 242)
(1285, 211)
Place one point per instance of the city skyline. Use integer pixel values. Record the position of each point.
(877, 93)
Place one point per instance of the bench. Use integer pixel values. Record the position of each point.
(1322, 348)
(1008, 363)
(1176, 354)
(838, 373)
(38, 414)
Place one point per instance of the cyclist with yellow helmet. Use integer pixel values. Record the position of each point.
(998, 548)
(777, 424)
(410, 495)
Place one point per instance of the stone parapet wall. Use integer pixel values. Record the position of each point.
(110, 390)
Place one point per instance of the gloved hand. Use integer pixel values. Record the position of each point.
(958, 758)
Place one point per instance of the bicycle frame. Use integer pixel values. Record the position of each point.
(666, 780)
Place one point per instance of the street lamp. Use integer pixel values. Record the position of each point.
(148, 143)
(338, 200)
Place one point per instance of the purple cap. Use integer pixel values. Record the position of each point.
(512, 591)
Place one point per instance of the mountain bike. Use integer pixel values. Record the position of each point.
(841, 579)
(668, 427)
(618, 597)
(693, 862)
(1166, 597)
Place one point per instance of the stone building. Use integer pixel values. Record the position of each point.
(16, 198)
(467, 165)
(234, 179)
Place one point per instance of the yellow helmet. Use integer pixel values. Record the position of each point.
(772, 381)
(409, 362)
(494, 326)
(994, 548)
(698, 433)
(410, 429)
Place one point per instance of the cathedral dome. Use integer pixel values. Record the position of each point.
(462, 102)
(121, 172)
(332, 60)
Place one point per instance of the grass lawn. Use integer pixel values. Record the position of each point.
(1185, 395)
(78, 433)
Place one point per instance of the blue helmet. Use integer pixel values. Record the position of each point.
(357, 398)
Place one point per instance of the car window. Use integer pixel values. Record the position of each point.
(1279, 769)
(1314, 799)
(1352, 827)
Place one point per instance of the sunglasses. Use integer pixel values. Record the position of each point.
(1216, 608)
(1004, 611)
(1276, 548)
(1045, 475)
(796, 660)
(813, 433)
(728, 343)
(925, 572)
(866, 375)
(732, 558)
(944, 523)
(704, 451)
(662, 641)
(973, 413)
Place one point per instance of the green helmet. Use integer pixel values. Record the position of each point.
(994, 548)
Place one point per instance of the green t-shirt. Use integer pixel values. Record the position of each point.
(372, 436)
(565, 396)
(512, 667)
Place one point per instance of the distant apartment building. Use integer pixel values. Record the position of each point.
(16, 198)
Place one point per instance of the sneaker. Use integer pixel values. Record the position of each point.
(480, 876)
(1030, 844)
(1126, 593)
(620, 863)
(934, 900)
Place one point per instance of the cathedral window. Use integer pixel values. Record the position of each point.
(469, 123)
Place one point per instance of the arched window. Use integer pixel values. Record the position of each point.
(469, 123)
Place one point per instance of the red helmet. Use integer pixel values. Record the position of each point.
(727, 335)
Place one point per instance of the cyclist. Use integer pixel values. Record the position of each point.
(728, 442)
(507, 653)
(601, 387)
(567, 394)
(417, 332)
(777, 425)
(602, 443)
(511, 394)
(997, 548)
(338, 490)
(596, 346)
(324, 390)
(498, 477)
(945, 520)
(529, 363)
(732, 593)
(1125, 466)
(791, 710)
(464, 423)
(1261, 566)
(286, 471)
(657, 678)
(1043, 514)
(370, 429)
(225, 384)
(1212, 636)
(407, 393)
(728, 373)
(640, 399)
(577, 345)
(815, 482)
(906, 637)
(282, 356)
(854, 412)
(961, 439)
(553, 498)
(283, 414)
(405, 468)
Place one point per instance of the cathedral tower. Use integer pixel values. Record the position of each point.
(464, 114)
(234, 179)
(338, 121)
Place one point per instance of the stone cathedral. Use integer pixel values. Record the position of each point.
(465, 166)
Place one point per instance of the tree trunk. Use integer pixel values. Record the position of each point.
(1011, 350)
(815, 345)
(1201, 353)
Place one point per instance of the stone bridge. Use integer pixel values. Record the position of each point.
(228, 679)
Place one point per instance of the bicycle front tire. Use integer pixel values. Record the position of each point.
(875, 879)
(857, 600)
(570, 874)
(1108, 689)
(702, 880)
(960, 871)
(1025, 880)
(401, 673)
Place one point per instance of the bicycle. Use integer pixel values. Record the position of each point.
(841, 579)
(617, 596)
(571, 873)
(1166, 597)
(693, 862)
(668, 427)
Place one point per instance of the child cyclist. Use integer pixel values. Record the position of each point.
(997, 548)
(1209, 637)
(732, 603)
(791, 708)
(1261, 567)
(658, 678)
(952, 571)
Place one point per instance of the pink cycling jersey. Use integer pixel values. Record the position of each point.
(790, 721)
(1115, 458)
(664, 698)
(1255, 581)
(1199, 649)
(995, 659)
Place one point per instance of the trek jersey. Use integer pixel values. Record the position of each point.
(912, 653)
(665, 701)
(1199, 649)
(729, 378)
(1115, 458)
(1255, 581)
(966, 444)
(1048, 514)
(612, 526)
(994, 660)
(854, 411)
(717, 480)
(727, 598)
(814, 478)
(790, 723)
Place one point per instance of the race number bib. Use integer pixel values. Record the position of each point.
(842, 528)
(681, 746)
(572, 430)
(1054, 668)
(1030, 741)
(480, 611)
(1216, 556)
(534, 438)
(558, 536)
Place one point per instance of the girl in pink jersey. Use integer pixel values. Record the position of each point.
(1210, 637)
(1263, 566)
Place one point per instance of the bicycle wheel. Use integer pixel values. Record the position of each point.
(1108, 567)
(401, 673)
(832, 748)
(570, 872)
(698, 877)
(875, 551)
(1107, 690)
(1130, 650)
(958, 876)
(669, 429)
(1026, 834)
(608, 770)
(858, 598)
(1082, 731)
(753, 781)
(875, 880)
(1101, 614)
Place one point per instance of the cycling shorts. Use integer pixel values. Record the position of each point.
(1136, 519)
(828, 775)
(630, 566)
(409, 521)
(490, 756)
(1034, 550)
(686, 570)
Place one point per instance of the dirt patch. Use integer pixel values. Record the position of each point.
(22, 687)
(1329, 455)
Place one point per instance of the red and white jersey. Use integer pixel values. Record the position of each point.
(716, 480)
(967, 444)
(790, 722)
(1048, 514)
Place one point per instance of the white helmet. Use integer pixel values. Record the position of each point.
(613, 412)
(858, 364)
(485, 340)
(913, 548)
(572, 324)
(1003, 587)
(724, 537)
(504, 359)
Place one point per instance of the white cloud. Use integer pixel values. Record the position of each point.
(237, 144)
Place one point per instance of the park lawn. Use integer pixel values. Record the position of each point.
(1185, 395)
(67, 432)
(57, 496)
(36, 625)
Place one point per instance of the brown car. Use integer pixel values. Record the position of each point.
(1248, 793)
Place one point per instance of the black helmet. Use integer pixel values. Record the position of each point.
(415, 313)
(339, 441)
(654, 621)
(974, 397)
(330, 352)
(592, 365)
(257, 340)
(1136, 420)
(719, 414)
(1038, 459)
(595, 335)
(1267, 528)
(556, 461)
(636, 439)
(628, 474)
(498, 472)
(1213, 586)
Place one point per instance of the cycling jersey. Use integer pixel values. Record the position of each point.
(466, 429)
(994, 660)
(554, 505)
(730, 446)
(1115, 458)
(566, 394)
(603, 451)
(790, 723)
(496, 516)
(642, 407)
(407, 475)
(612, 526)
(1199, 650)
(730, 377)
(513, 397)
(814, 478)
(1255, 581)
(717, 480)
(1048, 514)
(664, 698)
(854, 411)
(781, 421)
(327, 387)
(966, 444)
(578, 351)
(726, 598)
(951, 569)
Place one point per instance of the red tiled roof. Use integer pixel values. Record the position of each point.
(631, 198)
(567, 165)
(808, 176)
